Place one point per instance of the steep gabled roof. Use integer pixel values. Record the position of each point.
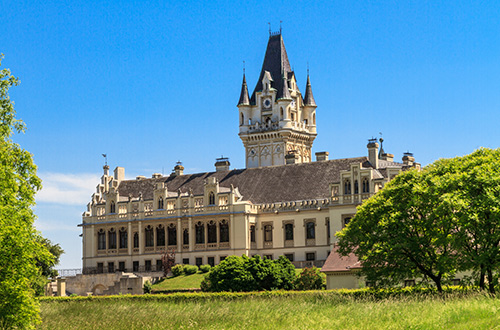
(275, 62)
(258, 185)
(337, 263)
(309, 98)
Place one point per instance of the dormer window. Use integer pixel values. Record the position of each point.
(211, 198)
(160, 203)
(112, 207)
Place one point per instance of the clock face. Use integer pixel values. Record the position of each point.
(267, 103)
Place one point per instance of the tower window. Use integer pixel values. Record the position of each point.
(242, 119)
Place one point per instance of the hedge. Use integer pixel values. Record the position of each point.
(361, 294)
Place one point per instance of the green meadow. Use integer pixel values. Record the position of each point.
(285, 310)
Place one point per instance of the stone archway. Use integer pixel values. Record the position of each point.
(98, 290)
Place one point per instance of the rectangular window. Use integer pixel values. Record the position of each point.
(123, 239)
(100, 267)
(289, 256)
(111, 267)
(268, 256)
(289, 232)
(185, 261)
(199, 262)
(211, 261)
(147, 265)
(268, 233)
(121, 266)
(135, 266)
(252, 233)
(310, 256)
(310, 230)
(159, 265)
(221, 258)
(136, 240)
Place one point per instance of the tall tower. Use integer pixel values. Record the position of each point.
(277, 120)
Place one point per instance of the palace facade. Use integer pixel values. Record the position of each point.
(282, 203)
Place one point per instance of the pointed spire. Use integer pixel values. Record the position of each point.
(244, 99)
(275, 62)
(309, 98)
(284, 92)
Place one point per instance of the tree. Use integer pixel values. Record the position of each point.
(404, 231)
(46, 265)
(250, 274)
(19, 244)
(167, 261)
(310, 279)
(474, 182)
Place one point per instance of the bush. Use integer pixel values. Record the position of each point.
(190, 269)
(178, 270)
(250, 274)
(310, 279)
(147, 287)
(205, 268)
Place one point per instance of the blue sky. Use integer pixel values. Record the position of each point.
(153, 82)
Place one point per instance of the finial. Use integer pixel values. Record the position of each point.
(280, 26)
(243, 67)
(308, 68)
(269, 27)
(105, 159)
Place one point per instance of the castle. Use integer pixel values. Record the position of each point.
(282, 203)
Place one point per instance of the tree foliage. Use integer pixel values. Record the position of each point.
(310, 279)
(20, 245)
(432, 223)
(250, 274)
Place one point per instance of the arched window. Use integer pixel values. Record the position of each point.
(149, 236)
(356, 187)
(366, 186)
(281, 113)
(268, 233)
(112, 239)
(289, 232)
(160, 236)
(101, 240)
(112, 207)
(185, 237)
(200, 233)
(136, 240)
(289, 113)
(314, 119)
(242, 119)
(172, 234)
(211, 198)
(223, 231)
(252, 233)
(160, 203)
(310, 230)
(347, 187)
(123, 238)
(212, 232)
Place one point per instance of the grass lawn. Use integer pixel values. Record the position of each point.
(180, 282)
(315, 311)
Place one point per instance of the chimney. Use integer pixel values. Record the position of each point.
(291, 157)
(321, 156)
(119, 173)
(388, 157)
(178, 169)
(408, 158)
(373, 152)
(222, 164)
(156, 175)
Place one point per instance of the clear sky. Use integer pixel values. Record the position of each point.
(153, 82)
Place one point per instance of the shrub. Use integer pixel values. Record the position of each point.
(147, 287)
(190, 269)
(310, 279)
(178, 270)
(250, 274)
(205, 268)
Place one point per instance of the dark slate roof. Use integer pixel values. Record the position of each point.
(244, 99)
(276, 63)
(284, 92)
(337, 263)
(259, 185)
(309, 98)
